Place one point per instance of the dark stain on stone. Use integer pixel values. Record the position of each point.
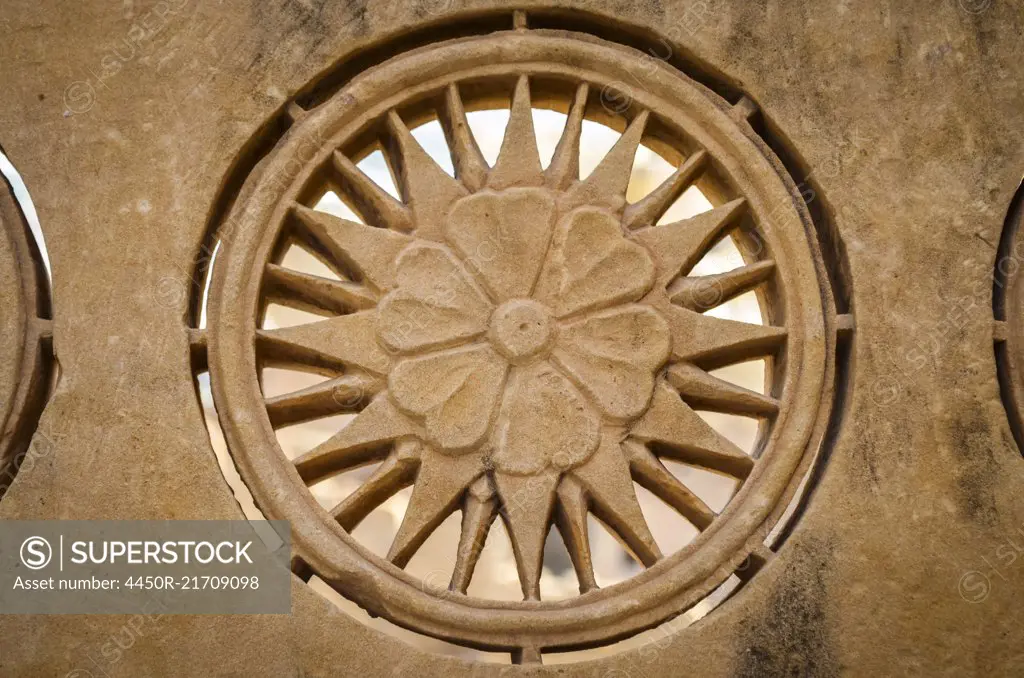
(977, 468)
(792, 638)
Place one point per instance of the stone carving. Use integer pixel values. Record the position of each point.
(518, 342)
(1008, 301)
(25, 334)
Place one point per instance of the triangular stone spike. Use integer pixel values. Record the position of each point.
(613, 499)
(702, 293)
(527, 502)
(712, 342)
(565, 163)
(478, 512)
(427, 189)
(369, 250)
(440, 483)
(364, 440)
(571, 518)
(314, 293)
(704, 391)
(685, 437)
(651, 474)
(681, 244)
(344, 340)
(606, 185)
(647, 211)
(376, 205)
(519, 160)
(470, 166)
(335, 396)
(394, 474)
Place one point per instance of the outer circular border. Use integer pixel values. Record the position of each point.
(604, 615)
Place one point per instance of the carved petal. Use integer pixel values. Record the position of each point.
(434, 304)
(613, 357)
(544, 421)
(592, 266)
(454, 391)
(503, 237)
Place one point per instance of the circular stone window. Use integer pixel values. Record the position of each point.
(25, 367)
(1008, 301)
(516, 343)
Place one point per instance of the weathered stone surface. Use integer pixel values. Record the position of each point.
(906, 124)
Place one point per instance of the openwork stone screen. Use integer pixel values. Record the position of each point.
(516, 341)
(646, 341)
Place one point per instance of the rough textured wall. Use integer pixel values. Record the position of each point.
(125, 119)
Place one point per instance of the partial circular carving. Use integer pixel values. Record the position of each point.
(522, 344)
(24, 335)
(1008, 300)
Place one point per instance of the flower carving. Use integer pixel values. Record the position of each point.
(520, 335)
(518, 341)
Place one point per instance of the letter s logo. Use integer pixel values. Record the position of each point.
(36, 553)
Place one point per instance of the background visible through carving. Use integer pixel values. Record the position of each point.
(302, 277)
(27, 368)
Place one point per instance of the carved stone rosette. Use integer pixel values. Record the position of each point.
(516, 342)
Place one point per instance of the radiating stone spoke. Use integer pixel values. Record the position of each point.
(676, 247)
(315, 294)
(703, 293)
(651, 474)
(571, 518)
(345, 340)
(712, 342)
(704, 391)
(377, 206)
(395, 473)
(470, 166)
(565, 163)
(519, 160)
(526, 506)
(607, 479)
(440, 483)
(679, 433)
(478, 512)
(341, 395)
(648, 210)
(366, 439)
(606, 185)
(426, 188)
(368, 251)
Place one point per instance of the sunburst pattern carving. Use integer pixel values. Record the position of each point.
(518, 344)
(523, 343)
